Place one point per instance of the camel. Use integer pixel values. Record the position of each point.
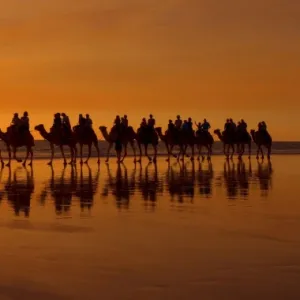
(242, 139)
(170, 142)
(11, 139)
(56, 139)
(146, 136)
(228, 141)
(204, 139)
(88, 138)
(232, 138)
(262, 138)
(126, 138)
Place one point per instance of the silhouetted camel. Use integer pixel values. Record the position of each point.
(58, 140)
(146, 137)
(16, 140)
(170, 142)
(227, 140)
(86, 136)
(127, 137)
(262, 138)
(204, 139)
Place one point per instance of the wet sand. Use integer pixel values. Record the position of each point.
(219, 231)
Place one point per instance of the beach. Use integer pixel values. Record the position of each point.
(219, 230)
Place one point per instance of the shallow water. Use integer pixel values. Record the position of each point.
(224, 230)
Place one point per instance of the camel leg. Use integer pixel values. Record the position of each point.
(262, 153)
(224, 149)
(125, 152)
(9, 156)
(134, 150)
(75, 154)
(1, 159)
(169, 149)
(155, 153)
(199, 151)
(98, 151)
(249, 150)
(232, 152)
(140, 149)
(72, 154)
(257, 152)
(108, 151)
(81, 148)
(31, 156)
(52, 154)
(63, 153)
(27, 154)
(269, 152)
(90, 152)
(193, 151)
(146, 152)
(15, 155)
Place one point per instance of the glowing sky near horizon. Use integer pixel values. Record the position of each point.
(199, 58)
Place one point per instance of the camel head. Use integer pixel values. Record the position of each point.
(39, 127)
(217, 131)
(103, 128)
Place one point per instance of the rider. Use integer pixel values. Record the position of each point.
(232, 125)
(117, 121)
(81, 121)
(185, 126)
(143, 123)
(243, 125)
(151, 122)
(227, 125)
(199, 126)
(190, 124)
(16, 120)
(263, 126)
(205, 125)
(171, 126)
(178, 123)
(125, 121)
(24, 122)
(88, 121)
(66, 121)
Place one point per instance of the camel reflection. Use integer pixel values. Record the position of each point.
(19, 189)
(264, 176)
(236, 179)
(149, 185)
(205, 177)
(181, 183)
(63, 188)
(87, 188)
(120, 186)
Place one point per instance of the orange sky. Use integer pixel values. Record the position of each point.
(199, 58)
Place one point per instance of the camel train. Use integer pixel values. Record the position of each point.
(233, 142)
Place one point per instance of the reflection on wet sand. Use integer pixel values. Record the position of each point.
(264, 177)
(180, 182)
(119, 186)
(235, 178)
(205, 177)
(19, 190)
(149, 185)
(63, 188)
